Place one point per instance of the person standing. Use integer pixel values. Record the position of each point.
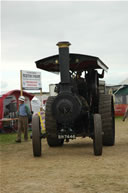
(125, 114)
(23, 120)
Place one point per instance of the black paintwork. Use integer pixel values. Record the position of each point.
(77, 62)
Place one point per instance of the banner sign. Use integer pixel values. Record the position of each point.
(31, 80)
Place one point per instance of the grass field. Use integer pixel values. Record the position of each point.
(8, 138)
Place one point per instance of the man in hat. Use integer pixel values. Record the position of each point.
(23, 119)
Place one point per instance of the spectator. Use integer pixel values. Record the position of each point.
(125, 114)
(24, 111)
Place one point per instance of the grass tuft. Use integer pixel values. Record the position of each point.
(7, 138)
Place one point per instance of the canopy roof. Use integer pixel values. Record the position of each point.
(78, 62)
(125, 82)
(16, 93)
(122, 91)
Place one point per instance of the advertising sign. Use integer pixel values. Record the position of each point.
(31, 80)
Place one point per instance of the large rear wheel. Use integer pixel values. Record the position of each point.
(36, 136)
(97, 140)
(51, 126)
(106, 109)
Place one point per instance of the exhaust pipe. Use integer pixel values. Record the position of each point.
(64, 62)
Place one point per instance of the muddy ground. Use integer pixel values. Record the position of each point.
(69, 169)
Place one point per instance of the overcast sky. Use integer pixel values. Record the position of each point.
(30, 31)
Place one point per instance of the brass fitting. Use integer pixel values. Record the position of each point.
(63, 44)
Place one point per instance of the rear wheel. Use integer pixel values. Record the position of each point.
(106, 109)
(97, 140)
(36, 133)
(51, 126)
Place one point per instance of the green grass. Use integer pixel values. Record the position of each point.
(7, 138)
(119, 117)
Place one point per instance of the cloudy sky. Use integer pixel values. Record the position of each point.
(31, 29)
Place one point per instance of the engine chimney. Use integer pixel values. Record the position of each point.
(64, 61)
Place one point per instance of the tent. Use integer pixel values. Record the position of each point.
(121, 98)
(9, 104)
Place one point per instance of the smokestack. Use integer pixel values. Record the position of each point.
(64, 61)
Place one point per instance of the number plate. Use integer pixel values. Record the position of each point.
(66, 136)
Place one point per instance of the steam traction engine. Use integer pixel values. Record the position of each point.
(81, 107)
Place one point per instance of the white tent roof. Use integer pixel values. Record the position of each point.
(125, 82)
(35, 99)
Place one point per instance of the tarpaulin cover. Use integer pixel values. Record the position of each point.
(122, 91)
(16, 94)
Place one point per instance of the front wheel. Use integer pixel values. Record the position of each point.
(36, 136)
(97, 140)
(51, 125)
